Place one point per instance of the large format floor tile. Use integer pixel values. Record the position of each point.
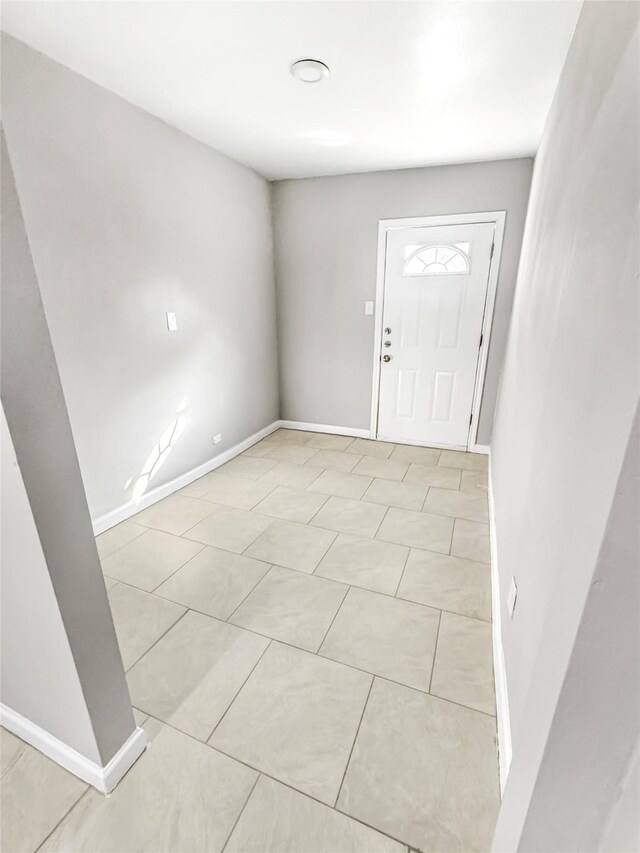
(424, 770)
(291, 606)
(114, 538)
(175, 514)
(463, 669)
(457, 504)
(214, 582)
(417, 455)
(366, 563)
(149, 559)
(292, 436)
(229, 528)
(140, 620)
(296, 453)
(387, 469)
(304, 739)
(417, 530)
(292, 545)
(369, 447)
(291, 476)
(341, 483)
(247, 467)
(235, 491)
(278, 819)
(449, 583)
(291, 504)
(190, 677)
(347, 516)
(475, 481)
(335, 459)
(461, 459)
(330, 442)
(430, 475)
(392, 493)
(384, 636)
(35, 793)
(471, 540)
(180, 795)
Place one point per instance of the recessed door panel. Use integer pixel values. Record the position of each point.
(435, 291)
(443, 392)
(406, 399)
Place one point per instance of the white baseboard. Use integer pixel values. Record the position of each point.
(331, 430)
(499, 671)
(104, 779)
(121, 513)
(479, 448)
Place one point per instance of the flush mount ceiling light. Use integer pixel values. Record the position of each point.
(309, 70)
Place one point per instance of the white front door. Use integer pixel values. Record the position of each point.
(435, 288)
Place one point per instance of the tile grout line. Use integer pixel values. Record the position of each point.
(254, 587)
(157, 586)
(237, 693)
(64, 817)
(297, 790)
(384, 515)
(335, 616)
(155, 642)
(120, 547)
(355, 738)
(240, 813)
(406, 561)
(435, 652)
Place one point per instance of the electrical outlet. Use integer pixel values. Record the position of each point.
(512, 597)
(216, 439)
(172, 321)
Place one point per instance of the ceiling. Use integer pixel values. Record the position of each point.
(411, 83)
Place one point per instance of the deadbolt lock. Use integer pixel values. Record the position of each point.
(387, 343)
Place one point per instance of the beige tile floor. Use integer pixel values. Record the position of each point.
(306, 633)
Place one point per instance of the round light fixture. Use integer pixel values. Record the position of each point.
(309, 70)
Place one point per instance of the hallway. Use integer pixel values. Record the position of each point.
(306, 633)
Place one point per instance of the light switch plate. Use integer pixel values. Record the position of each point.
(172, 321)
(512, 597)
(368, 307)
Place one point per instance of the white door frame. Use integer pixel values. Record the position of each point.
(497, 217)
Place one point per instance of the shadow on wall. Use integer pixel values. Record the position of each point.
(159, 453)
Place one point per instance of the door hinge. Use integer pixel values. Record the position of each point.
(493, 245)
(470, 418)
(481, 339)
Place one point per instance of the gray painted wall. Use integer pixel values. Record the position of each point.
(129, 218)
(568, 397)
(326, 232)
(74, 593)
(38, 675)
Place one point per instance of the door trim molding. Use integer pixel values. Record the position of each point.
(497, 218)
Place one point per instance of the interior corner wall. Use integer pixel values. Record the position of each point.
(571, 383)
(128, 218)
(326, 233)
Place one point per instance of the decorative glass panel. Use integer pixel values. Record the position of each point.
(438, 260)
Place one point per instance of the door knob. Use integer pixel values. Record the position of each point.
(386, 358)
(387, 331)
